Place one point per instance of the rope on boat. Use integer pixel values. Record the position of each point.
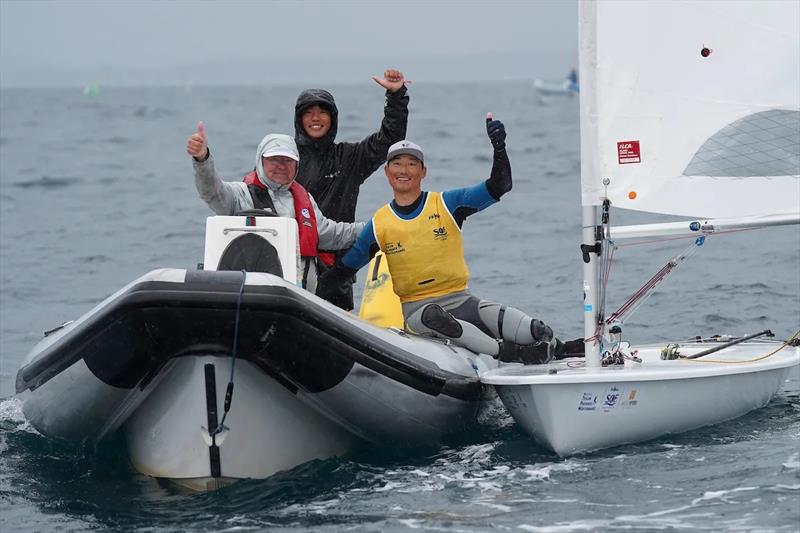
(229, 389)
(644, 292)
(639, 297)
(607, 248)
(788, 342)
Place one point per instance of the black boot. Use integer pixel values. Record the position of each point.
(529, 354)
(573, 348)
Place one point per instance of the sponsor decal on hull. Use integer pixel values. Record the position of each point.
(613, 398)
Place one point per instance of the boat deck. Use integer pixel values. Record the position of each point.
(740, 358)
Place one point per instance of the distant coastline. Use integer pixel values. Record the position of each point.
(299, 70)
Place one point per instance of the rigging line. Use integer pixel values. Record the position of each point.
(606, 276)
(638, 297)
(229, 389)
(652, 282)
(781, 347)
(606, 245)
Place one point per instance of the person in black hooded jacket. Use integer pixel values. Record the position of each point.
(333, 172)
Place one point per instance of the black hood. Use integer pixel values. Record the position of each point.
(306, 99)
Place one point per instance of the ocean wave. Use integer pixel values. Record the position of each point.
(47, 182)
(99, 258)
(154, 112)
(793, 462)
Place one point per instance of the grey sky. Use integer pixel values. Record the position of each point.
(65, 42)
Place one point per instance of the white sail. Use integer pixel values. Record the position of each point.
(691, 108)
(668, 129)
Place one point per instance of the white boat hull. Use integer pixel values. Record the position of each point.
(571, 409)
(266, 431)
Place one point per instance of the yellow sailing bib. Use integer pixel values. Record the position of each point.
(379, 303)
(425, 254)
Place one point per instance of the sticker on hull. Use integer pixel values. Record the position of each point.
(611, 399)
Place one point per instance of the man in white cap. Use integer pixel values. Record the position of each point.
(420, 234)
(272, 186)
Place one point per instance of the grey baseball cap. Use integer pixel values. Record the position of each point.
(405, 147)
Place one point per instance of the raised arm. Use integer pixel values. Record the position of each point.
(197, 145)
(467, 201)
(366, 156)
(222, 197)
(499, 181)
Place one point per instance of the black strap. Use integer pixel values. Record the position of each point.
(211, 413)
(306, 267)
(376, 268)
(261, 198)
(500, 315)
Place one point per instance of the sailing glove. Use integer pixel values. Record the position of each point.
(497, 133)
(334, 285)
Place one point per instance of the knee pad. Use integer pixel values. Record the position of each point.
(508, 323)
(541, 332)
(440, 321)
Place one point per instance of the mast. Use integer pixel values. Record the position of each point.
(590, 284)
(591, 170)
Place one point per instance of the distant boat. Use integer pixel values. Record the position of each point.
(568, 86)
(91, 89)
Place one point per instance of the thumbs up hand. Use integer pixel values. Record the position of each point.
(197, 145)
(496, 132)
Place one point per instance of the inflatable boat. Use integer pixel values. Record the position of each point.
(232, 371)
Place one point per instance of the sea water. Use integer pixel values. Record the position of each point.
(97, 189)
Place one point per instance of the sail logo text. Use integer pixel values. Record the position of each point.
(628, 152)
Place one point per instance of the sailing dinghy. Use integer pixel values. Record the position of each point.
(692, 109)
(158, 360)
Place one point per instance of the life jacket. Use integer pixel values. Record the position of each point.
(303, 211)
(425, 254)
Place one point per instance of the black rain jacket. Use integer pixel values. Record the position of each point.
(333, 172)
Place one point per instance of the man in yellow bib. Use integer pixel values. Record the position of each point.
(420, 234)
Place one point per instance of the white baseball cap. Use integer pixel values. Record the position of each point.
(405, 147)
(279, 145)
